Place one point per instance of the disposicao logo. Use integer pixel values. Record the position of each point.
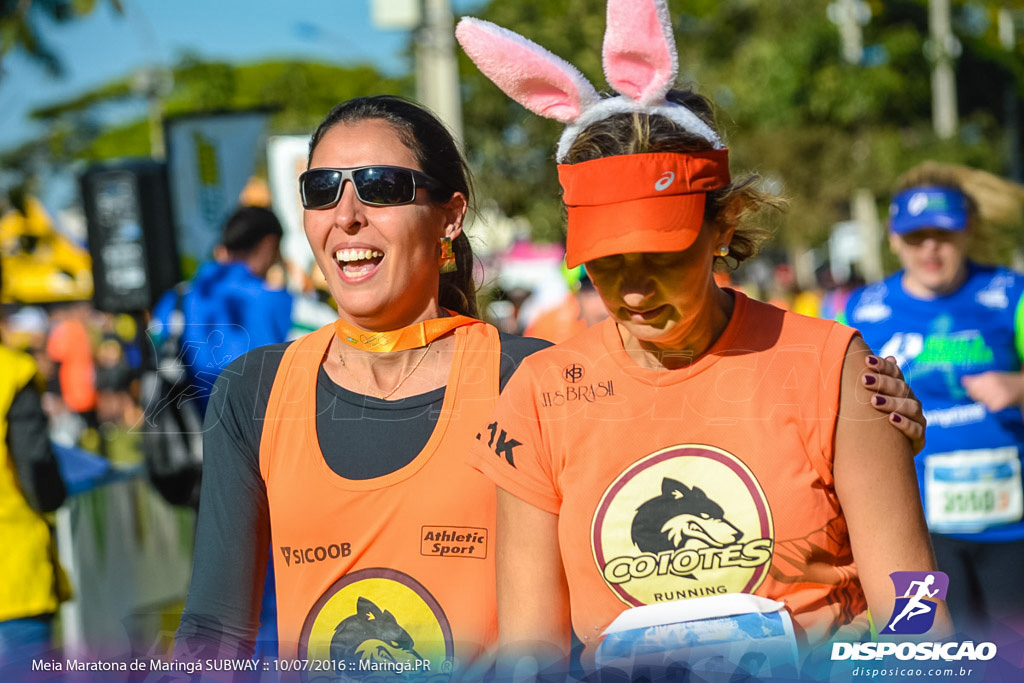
(917, 597)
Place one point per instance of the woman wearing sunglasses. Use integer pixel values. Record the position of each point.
(344, 451)
(697, 445)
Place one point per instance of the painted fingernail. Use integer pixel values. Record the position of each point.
(872, 360)
(869, 380)
(879, 400)
(896, 417)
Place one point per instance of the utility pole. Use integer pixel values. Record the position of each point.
(865, 215)
(942, 48)
(850, 16)
(155, 83)
(1008, 39)
(437, 73)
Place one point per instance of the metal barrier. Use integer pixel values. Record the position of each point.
(128, 556)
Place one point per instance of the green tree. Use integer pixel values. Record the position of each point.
(791, 108)
(511, 149)
(297, 93)
(20, 26)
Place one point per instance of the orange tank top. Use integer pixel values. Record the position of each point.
(669, 485)
(399, 568)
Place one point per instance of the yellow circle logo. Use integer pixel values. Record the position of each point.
(687, 521)
(378, 620)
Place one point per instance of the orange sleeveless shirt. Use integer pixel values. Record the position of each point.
(402, 562)
(714, 478)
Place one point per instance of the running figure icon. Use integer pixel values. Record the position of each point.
(916, 605)
(919, 593)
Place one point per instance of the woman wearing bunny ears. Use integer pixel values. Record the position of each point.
(697, 443)
(344, 450)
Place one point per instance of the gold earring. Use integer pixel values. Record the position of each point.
(447, 260)
(722, 251)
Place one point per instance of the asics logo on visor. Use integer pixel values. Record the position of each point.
(664, 181)
(917, 203)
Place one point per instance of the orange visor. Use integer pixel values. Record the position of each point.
(638, 202)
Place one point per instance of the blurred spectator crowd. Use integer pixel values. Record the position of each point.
(91, 361)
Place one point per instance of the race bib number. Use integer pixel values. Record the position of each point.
(735, 636)
(968, 491)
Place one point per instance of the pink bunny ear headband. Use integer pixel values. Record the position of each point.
(663, 193)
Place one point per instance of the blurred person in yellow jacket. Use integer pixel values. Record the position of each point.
(31, 582)
(42, 265)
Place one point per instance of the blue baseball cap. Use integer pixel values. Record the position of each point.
(925, 207)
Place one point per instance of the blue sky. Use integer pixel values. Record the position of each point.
(105, 46)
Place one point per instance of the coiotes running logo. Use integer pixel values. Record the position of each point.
(687, 521)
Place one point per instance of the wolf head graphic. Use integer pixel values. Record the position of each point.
(371, 634)
(681, 517)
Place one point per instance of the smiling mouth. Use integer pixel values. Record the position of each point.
(358, 262)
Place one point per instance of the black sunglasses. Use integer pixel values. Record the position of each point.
(375, 185)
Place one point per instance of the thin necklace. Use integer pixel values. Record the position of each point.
(383, 397)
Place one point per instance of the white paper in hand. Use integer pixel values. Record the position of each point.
(732, 633)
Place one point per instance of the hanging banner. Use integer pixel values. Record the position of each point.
(210, 158)
(286, 160)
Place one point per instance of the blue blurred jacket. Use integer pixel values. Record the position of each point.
(227, 311)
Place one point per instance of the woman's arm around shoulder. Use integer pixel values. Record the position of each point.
(877, 488)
